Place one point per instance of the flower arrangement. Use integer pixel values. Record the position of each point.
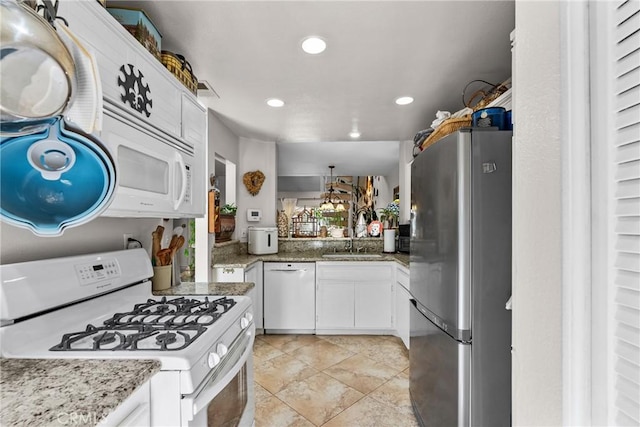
(391, 212)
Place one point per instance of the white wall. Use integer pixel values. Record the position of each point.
(404, 178)
(537, 217)
(256, 155)
(99, 235)
(221, 140)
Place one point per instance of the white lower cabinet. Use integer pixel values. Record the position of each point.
(254, 274)
(354, 297)
(135, 411)
(335, 305)
(374, 305)
(403, 301)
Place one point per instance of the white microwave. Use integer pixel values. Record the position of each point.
(155, 171)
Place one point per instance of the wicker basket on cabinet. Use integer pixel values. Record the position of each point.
(447, 127)
(180, 68)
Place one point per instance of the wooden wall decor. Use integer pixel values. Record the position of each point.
(253, 181)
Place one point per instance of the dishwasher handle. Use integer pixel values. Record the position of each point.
(288, 270)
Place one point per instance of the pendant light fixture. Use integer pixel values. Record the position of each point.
(328, 204)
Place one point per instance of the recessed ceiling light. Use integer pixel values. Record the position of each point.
(404, 100)
(354, 134)
(313, 45)
(275, 102)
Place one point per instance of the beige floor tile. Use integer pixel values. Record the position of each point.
(260, 392)
(272, 412)
(288, 342)
(356, 343)
(369, 412)
(361, 373)
(298, 342)
(389, 353)
(395, 392)
(319, 398)
(274, 374)
(265, 351)
(321, 355)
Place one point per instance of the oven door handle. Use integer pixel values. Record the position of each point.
(200, 399)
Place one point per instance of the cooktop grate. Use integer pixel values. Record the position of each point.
(163, 325)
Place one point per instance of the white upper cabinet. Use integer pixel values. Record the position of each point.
(133, 80)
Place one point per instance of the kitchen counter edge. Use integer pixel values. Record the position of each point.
(212, 288)
(246, 260)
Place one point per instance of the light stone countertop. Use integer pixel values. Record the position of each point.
(202, 288)
(245, 260)
(49, 392)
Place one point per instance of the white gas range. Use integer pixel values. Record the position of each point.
(100, 306)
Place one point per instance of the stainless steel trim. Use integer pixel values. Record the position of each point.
(464, 230)
(464, 387)
(462, 335)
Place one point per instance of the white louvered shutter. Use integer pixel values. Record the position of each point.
(624, 313)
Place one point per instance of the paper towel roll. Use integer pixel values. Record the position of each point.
(390, 240)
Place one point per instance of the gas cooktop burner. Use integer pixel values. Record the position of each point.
(153, 325)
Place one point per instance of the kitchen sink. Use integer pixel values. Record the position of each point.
(350, 255)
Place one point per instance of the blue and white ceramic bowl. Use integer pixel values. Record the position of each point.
(55, 179)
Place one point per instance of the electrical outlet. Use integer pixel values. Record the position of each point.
(125, 238)
(244, 232)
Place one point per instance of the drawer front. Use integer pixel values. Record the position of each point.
(402, 277)
(355, 271)
(228, 274)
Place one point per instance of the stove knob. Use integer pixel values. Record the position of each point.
(244, 323)
(214, 359)
(249, 316)
(222, 350)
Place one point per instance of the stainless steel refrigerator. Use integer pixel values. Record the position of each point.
(460, 264)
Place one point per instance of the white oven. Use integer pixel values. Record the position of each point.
(225, 399)
(155, 171)
(100, 306)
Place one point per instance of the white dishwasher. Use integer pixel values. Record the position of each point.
(289, 297)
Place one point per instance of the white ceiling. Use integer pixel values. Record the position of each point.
(249, 51)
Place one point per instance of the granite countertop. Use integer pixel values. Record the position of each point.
(245, 260)
(203, 288)
(48, 392)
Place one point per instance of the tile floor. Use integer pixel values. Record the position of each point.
(331, 380)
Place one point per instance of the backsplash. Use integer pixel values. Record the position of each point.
(367, 244)
(370, 245)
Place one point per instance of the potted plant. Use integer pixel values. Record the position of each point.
(389, 215)
(227, 222)
(229, 209)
